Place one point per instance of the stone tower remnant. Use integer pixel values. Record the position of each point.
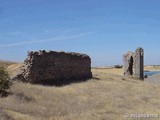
(57, 68)
(133, 64)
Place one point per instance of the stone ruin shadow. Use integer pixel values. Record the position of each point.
(55, 68)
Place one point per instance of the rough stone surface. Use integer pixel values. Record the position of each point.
(133, 64)
(139, 63)
(53, 67)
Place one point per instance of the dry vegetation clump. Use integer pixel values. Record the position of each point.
(5, 82)
(107, 96)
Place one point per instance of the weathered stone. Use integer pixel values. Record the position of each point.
(56, 67)
(139, 64)
(128, 64)
(133, 64)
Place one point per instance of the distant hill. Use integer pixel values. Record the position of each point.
(6, 63)
(12, 67)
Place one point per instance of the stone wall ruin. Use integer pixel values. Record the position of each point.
(133, 64)
(57, 68)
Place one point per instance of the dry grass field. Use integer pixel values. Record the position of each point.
(107, 96)
(152, 68)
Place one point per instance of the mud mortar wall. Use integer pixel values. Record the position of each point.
(56, 67)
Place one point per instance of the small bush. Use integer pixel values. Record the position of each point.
(4, 81)
(118, 66)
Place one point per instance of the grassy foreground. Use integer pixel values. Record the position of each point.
(107, 96)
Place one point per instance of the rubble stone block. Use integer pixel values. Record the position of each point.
(53, 67)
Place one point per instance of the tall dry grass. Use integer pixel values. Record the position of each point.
(108, 96)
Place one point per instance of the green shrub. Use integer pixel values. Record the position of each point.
(4, 81)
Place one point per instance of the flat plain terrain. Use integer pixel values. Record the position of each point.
(107, 96)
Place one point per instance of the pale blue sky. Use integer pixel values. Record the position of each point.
(103, 29)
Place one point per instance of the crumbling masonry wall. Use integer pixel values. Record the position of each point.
(133, 64)
(56, 67)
